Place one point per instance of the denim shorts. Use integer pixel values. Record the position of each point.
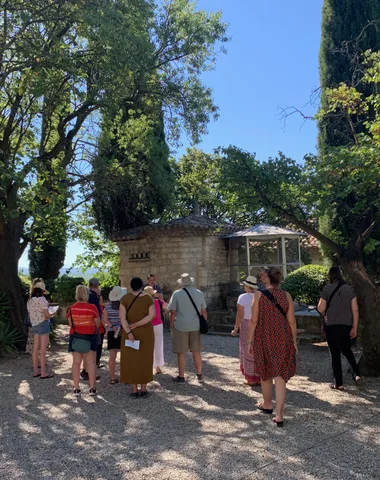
(42, 328)
(93, 338)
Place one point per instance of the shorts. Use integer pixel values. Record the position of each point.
(183, 342)
(93, 338)
(42, 328)
(113, 343)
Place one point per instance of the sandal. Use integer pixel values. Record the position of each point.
(134, 395)
(113, 382)
(357, 379)
(144, 393)
(50, 375)
(38, 375)
(267, 411)
(279, 423)
(335, 387)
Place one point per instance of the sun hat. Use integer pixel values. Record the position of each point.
(185, 280)
(250, 281)
(42, 286)
(117, 293)
(149, 290)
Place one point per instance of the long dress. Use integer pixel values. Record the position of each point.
(136, 366)
(273, 347)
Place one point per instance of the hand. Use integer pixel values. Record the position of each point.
(353, 333)
(131, 337)
(234, 332)
(296, 347)
(131, 327)
(114, 329)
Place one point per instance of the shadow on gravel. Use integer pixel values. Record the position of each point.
(191, 431)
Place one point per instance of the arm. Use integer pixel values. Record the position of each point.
(46, 314)
(292, 319)
(147, 319)
(105, 321)
(322, 304)
(165, 306)
(238, 319)
(355, 317)
(124, 323)
(172, 318)
(254, 319)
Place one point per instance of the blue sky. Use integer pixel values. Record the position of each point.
(272, 62)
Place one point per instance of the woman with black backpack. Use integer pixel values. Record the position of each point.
(339, 307)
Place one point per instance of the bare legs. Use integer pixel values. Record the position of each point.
(40, 344)
(280, 388)
(181, 364)
(90, 359)
(112, 363)
(197, 362)
(197, 358)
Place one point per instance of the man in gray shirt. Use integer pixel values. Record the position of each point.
(184, 322)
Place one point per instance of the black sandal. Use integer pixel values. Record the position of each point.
(134, 395)
(279, 424)
(267, 411)
(144, 394)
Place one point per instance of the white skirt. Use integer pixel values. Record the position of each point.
(158, 346)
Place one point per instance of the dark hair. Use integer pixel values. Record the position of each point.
(136, 284)
(151, 275)
(335, 275)
(115, 305)
(274, 275)
(37, 292)
(94, 282)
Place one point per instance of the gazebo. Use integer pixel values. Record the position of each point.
(262, 245)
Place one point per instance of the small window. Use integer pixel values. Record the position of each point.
(133, 257)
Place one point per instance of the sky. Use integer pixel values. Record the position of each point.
(271, 63)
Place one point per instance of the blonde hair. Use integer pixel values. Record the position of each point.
(82, 293)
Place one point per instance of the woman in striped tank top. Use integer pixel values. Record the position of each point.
(111, 322)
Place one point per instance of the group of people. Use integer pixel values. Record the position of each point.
(133, 322)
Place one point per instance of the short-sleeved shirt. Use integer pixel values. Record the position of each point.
(186, 317)
(36, 307)
(339, 311)
(113, 316)
(245, 300)
(83, 316)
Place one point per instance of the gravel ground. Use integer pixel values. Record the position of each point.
(191, 431)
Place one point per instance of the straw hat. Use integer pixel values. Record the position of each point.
(250, 282)
(149, 290)
(117, 293)
(185, 280)
(42, 286)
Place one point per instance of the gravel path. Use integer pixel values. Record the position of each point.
(191, 431)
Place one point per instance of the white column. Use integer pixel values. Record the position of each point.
(284, 271)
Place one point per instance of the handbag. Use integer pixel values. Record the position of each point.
(203, 325)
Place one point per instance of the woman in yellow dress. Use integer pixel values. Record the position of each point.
(136, 314)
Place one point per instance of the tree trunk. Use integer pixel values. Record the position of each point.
(9, 279)
(369, 315)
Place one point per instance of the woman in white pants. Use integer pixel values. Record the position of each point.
(158, 327)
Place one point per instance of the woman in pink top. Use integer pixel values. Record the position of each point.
(158, 327)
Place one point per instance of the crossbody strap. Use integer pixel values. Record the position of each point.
(272, 298)
(332, 296)
(133, 301)
(192, 301)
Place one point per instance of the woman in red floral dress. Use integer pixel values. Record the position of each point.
(272, 338)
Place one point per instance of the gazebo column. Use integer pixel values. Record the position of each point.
(283, 246)
(248, 255)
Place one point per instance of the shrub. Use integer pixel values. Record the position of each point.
(65, 287)
(306, 283)
(25, 286)
(9, 336)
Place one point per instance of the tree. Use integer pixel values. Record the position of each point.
(347, 177)
(67, 62)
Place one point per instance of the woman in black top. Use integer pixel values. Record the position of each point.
(339, 306)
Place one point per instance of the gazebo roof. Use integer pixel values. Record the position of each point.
(189, 224)
(263, 230)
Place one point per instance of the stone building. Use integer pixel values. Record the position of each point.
(218, 255)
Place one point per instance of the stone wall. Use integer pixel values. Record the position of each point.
(167, 256)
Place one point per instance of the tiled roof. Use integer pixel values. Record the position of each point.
(191, 224)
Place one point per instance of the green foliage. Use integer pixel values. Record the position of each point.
(9, 336)
(306, 283)
(100, 253)
(65, 288)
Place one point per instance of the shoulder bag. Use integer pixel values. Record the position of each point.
(203, 325)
